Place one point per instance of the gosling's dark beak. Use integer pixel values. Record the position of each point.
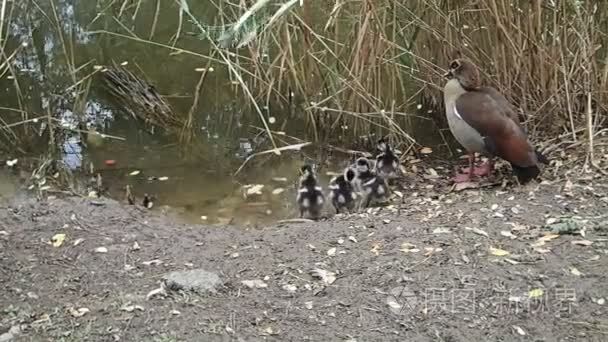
(448, 74)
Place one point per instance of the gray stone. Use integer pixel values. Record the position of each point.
(11, 334)
(197, 280)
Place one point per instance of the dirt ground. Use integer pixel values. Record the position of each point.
(474, 265)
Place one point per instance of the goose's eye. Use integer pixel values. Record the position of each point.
(454, 65)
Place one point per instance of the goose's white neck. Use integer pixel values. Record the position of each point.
(452, 90)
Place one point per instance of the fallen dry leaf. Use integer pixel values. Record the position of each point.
(466, 185)
(441, 231)
(134, 173)
(426, 150)
(478, 231)
(582, 242)
(511, 261)
(270, 331)
(331, 251)
(290, 288)
(256, 283)
(407, 247)
(432, 250)
(543, 239)
(57, 240)
(154, 262)
(498, 251)
(518, 226)
(535, 293)
(326, 276)
(255, 189)
(519, 330)
(101, 250)
(130, 308)
(575, 271)
(508, 234)
(161, 291)
(550, 221)
(78, 312)
(376, 249)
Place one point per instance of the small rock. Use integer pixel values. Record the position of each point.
(10, 334)
(197, 280)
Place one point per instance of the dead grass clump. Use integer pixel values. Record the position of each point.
(140, 99)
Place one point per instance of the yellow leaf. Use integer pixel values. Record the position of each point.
(535, 293)
(57, 240)
(498, 251)
(542, 240)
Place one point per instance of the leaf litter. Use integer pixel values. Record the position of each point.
(473, 250)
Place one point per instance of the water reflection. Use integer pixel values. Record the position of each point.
(72, 153)
(199, 181)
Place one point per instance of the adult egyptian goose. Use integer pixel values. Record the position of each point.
(483, 121)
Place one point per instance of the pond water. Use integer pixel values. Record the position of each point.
(195, 181)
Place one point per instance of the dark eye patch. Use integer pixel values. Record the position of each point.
(454, 65)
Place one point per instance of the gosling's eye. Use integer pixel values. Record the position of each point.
(454, 65)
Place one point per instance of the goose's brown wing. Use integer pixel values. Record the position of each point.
(506, 107)
(503, 136)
